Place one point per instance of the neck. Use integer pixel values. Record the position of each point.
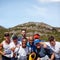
(15, 43)
(7, 41)
(23, 46)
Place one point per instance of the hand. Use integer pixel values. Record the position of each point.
(38, 59)
(3, 53)
(49, 59)
(32, 53)
(13, 48)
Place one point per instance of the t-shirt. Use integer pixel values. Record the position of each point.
(55, 48)
(12, 45)
(23, 53)
(6, 49)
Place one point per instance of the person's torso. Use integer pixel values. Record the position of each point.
(12, 45)
(23, 51)
(6, 49)
(56, 49)
(40, 53)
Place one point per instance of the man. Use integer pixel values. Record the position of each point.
(22, 36)
(42, 52)
(55, 46)
(23, 51)
(6, 52)
(30, 44)
(14, 46)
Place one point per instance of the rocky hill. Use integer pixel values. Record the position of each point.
(32, 28)
(35, 27)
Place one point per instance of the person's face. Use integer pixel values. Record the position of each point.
(31, 40)
(52, 43)
(15, 40)
(23, 33)
(24, 42)
(7, 38)
(38, 45)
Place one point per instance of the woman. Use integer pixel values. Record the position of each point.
(6, 53)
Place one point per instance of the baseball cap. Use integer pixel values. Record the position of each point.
(36, 36)
(36, 41)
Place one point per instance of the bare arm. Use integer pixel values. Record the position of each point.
(52, 56)
(1, 47)
(44, 45)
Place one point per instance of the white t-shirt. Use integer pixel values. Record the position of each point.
(23, 52)
(6, 49)
(12, 45)
(55, 48)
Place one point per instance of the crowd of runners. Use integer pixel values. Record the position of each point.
(29, 48)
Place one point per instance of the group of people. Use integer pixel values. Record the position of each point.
(29, 48)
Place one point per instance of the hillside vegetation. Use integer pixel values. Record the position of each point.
(32, 28)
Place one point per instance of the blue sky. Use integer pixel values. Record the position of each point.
(14, 12)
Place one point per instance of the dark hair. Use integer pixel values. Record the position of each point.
(14, 37)
(51, 38)
(23, 29)
(6, 34)
(24, 38)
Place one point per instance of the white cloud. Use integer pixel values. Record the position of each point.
(40, 10)
(48, 1)
(36, 11)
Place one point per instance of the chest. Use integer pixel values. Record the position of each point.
(23, 51)
(56, 49)
(5, 46)
(41, 53)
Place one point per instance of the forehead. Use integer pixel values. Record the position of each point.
(23, 31)
(24, 40)
(31, 40)
(37, 44)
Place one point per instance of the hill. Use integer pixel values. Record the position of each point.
(32, 28)
(41, 28)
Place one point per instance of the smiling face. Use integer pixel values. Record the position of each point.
(23, 32)
(31, 40)
(52, 40)
(15, 40)
(38, 45)
(7, 39)
(52, 43)
(24, 42)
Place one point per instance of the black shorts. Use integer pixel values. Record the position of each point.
(5, 58)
